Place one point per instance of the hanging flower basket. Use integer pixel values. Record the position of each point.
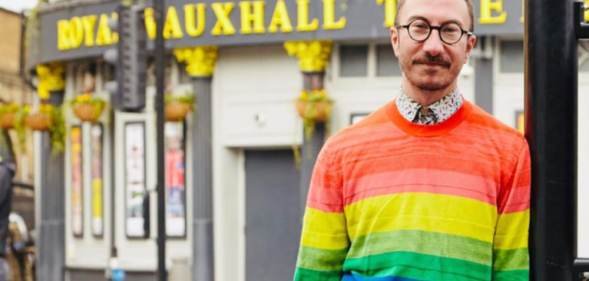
(49, 118)
(7, 120)
(12, 117)
(178, 106)
(176, 111)
(313, 106)
(88, 108)
(8, 115)
(319, 111)
(40, 120)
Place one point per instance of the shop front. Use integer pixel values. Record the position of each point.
(238, 165)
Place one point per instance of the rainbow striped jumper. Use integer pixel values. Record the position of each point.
(391, 200)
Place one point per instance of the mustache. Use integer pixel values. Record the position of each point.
(429, 59)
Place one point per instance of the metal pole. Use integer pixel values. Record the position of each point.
(203, 262)
(159, 104)
(51, 222)
(551, 130)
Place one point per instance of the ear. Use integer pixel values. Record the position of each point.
(395, 40)
(470, 44)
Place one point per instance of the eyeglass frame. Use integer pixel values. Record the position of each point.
(438, 28)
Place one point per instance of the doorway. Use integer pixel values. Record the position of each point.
(273, 220)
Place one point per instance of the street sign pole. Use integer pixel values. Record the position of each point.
(158, 7)
(551, 130)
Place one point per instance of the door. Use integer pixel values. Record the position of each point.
(272, 214)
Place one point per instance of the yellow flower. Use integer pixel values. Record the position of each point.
(46, 108)
(50, 79)
(9, 107)
(83, 98)
(303, 96)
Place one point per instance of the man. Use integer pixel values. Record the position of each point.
(429, 187)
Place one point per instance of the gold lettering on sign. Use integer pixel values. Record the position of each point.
(280, 18)
(255, 17)
(104, 35)
(252, 20)
(191, 18)
(148, 15)
(492, 12)
(303, 23)
(90, 30)
(329, 22)
(390, 11)
(114, 38)
(89, 22)
(76, 32)
(172, 25)
(223, 25)
(63, 37)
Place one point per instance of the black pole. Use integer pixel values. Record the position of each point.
(158, 7)
(551, 130)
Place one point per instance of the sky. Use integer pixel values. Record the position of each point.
(17, 5)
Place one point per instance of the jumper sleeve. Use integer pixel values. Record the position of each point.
(510, 245)
(324, 240)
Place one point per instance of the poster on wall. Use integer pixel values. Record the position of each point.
(175, 180)
(97, 180)
(77, 214)
(135, 178)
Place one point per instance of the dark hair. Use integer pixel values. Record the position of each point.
(468, 5)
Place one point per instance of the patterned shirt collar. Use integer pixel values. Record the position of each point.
(436, 112)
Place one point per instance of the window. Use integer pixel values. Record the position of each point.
(85, 78)
(353, 61)
(386, 62)
(184, 78)
(175, 158)
(137, 219)
(511, 57)
(150, 73)
(108, 74)
(583, 51)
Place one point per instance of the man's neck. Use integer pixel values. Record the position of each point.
(423, 97)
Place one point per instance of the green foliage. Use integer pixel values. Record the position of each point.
(186, 97)
(20, 128)
(311, 115)
(20, 113)
(87, 99)
(57, 130)
(9, 108)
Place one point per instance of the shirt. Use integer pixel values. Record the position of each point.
(390, 199)
(436, 112)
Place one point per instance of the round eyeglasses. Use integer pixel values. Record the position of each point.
(419, 30)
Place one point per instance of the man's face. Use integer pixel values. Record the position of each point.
(432, 65)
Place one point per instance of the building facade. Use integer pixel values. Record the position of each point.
(236, 189)
(13, 87)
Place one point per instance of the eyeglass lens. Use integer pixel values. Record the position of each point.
(450, 33)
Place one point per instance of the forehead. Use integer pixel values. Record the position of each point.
(435, 11)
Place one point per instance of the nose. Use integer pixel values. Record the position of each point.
(433, 45)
